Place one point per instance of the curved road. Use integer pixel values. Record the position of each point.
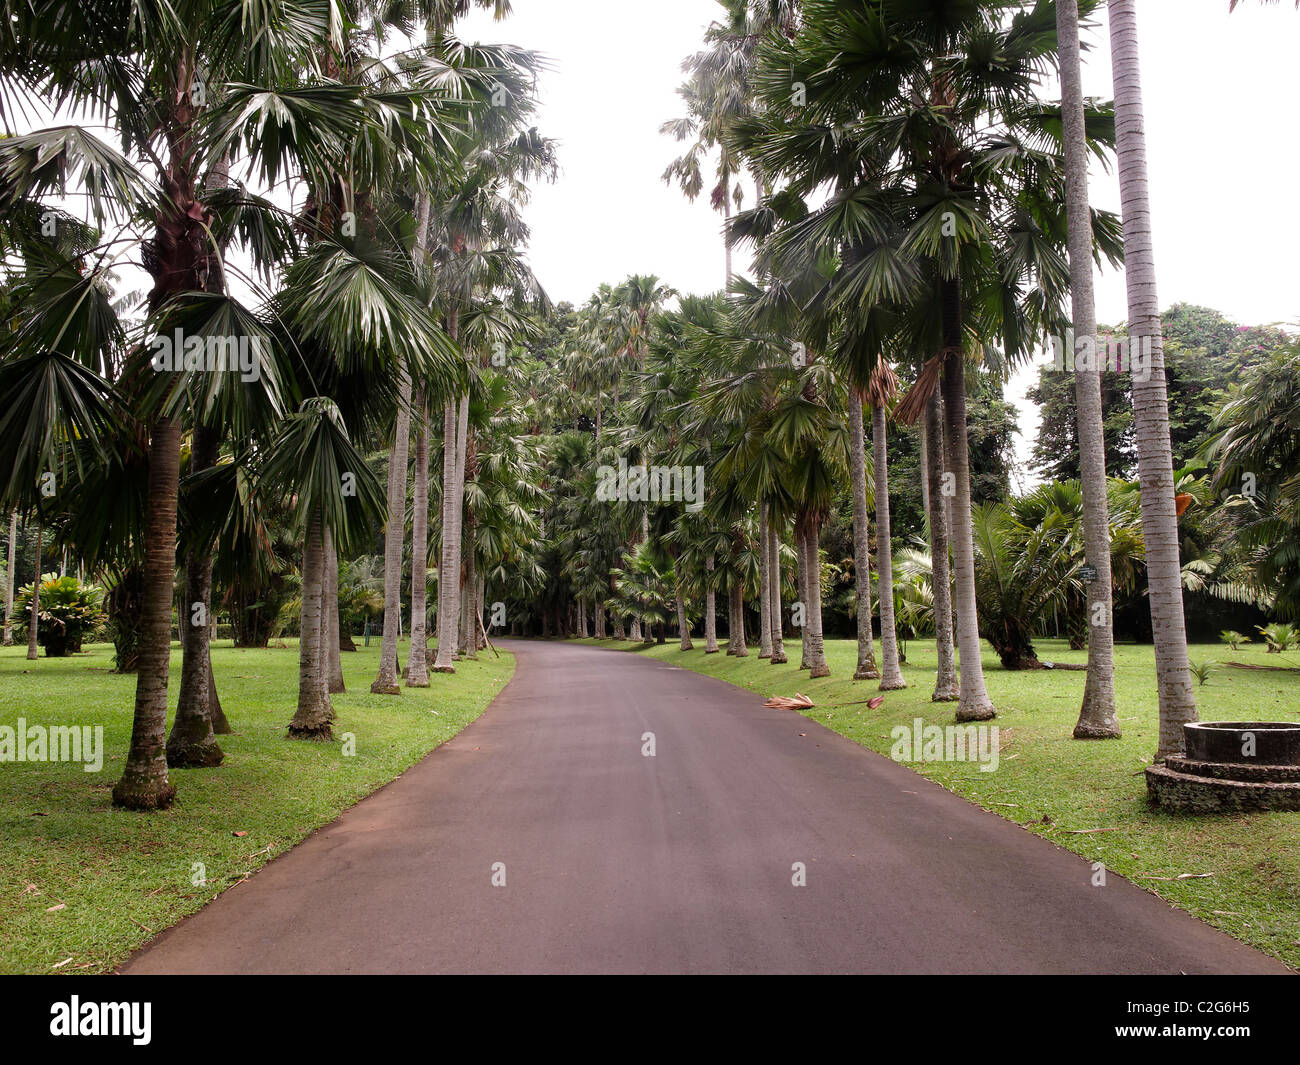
(615, 862)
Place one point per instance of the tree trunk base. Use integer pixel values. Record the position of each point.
(201, 755)
(820, 670)
(976, 713)
(1089, 731)
(336, 686)
(321, 733)
(417, 683)
(442, 669)
(866, 674)
(944, 695)
(713, 650)
(893, 685)
(779, 660)
(385, 688)
(143, 795)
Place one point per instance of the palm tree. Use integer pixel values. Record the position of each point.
(1150, 400)
(884, 387)
(308, 461)
(866, 668)
(9, 578)
(945, 678)
(1097, 718)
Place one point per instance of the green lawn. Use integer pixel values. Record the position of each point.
(1059, 788)
(82, 884)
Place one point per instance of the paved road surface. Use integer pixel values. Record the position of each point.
(617, 863)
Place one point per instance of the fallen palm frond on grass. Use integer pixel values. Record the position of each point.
(785, 702)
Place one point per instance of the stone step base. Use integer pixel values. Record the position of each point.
(1189, 793)
(1244, 771)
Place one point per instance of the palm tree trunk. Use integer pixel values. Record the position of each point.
(813, 607)
(417, 662)
(449, 555)
(683, 624)
(801, 554)
(774, 573)
(385, 682)
(192, 743)
(945, 677)
(312, 719)
(9, 579)
(736, 619)
(1150, 400)
(974, 704)
(764, 591)
(330, 614)
(144, 784)
(1097, 719)
(470, 594)
(866, 668)
(892, 677)
(710, 608)
(34, 616)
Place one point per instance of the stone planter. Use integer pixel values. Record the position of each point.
(1231, 767)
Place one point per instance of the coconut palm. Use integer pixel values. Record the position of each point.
(883, 389)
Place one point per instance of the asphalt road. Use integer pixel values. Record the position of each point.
(615, 862)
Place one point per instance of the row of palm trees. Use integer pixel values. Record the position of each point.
(395, 266)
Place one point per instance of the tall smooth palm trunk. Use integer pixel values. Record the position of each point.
(417, 663)
(386, 680)
(773, 549)
(330, 634)
(866, 668)
(9, 579)
(34, 614)
(1150, 399)
(813, 606)
(312, 719)
(192, 742)
(736, 618)
(469, 594)
(710, 608)
(683, 622)
(1097, 718)
(945, 678)
(801, 575)
(892, 675)
(449, 555)
(764, 592)
(974, 703)
(145, 784)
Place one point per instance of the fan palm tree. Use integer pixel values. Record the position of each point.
(883, 389)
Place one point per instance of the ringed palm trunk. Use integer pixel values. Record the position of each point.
(385, 682)
(764, 591)
(9, 579)
(144, 784)
(813, 607)
(34, 616)
(192, 742)
(774, 572)
(1097, 718)
(417, 669)
(710, 608)
(892, 676)
(1150, 400)
(974, 703)
(866, 668)
(312, 719)
(945, 677)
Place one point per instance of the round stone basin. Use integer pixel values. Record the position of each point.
(1260, 742)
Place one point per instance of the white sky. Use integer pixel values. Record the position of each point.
(1221, 109)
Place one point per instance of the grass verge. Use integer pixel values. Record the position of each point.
(83, 884)
(1086, 796)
